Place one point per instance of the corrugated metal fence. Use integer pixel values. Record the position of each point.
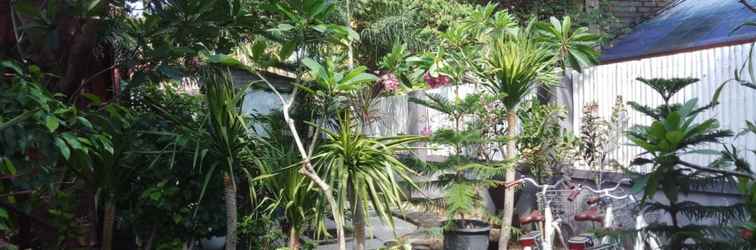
(714, 66)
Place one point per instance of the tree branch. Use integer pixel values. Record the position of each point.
(307, 169)
(719, 171)
(748, 5)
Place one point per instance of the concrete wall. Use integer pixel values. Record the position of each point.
(632, 12)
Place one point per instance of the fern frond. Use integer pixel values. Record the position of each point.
(649, 111)
(722, 214)
(436, 102)
(460, 198)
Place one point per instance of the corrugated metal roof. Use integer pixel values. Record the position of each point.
(685, 25)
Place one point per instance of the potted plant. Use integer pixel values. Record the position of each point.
(466, 174)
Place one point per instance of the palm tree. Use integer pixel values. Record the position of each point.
(363, 171)
(514, 69)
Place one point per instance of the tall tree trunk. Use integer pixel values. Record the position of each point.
(506, 220)
(231, 220)
(294, 238)
(358, 222)
(107, 224)
(151, 238)
(307, 169)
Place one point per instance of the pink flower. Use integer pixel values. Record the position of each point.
(426, 131)
(436, 82)
(390, 82)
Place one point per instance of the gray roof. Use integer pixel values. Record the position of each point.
(683, 26)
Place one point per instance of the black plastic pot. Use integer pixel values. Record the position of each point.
(466, 235)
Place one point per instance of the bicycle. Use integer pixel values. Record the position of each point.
(547, 198)
(609, 202)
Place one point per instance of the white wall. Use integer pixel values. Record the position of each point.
(712, 66)
(396, 115)
(261, 102)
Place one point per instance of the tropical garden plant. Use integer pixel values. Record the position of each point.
(101, 133)
(599, 137)
(364, 171)
(470, 167)
(285, 188)
(677, 131)
(543, 144)
(513, 70)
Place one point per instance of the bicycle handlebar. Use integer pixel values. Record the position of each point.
(607, 191)
(542, 186)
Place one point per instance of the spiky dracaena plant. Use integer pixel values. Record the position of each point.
(284, 187)
(229, 137)
(514, 68)
(335, 90)
(573, 47)
(674, 133)
(363, 171)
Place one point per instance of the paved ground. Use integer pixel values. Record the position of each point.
(379, 233)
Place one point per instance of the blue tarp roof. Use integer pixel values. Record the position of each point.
(685, 25)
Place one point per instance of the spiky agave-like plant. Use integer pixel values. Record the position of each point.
(285, 188)
(363, 171)
(228, 135)
(675, 132)
(516, 68)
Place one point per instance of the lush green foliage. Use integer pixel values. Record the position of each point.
(544, 147)
(362, 169)
(574, 46)
(675, 132)
(471, 165)
(147, 160)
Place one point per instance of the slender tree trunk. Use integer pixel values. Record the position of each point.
(231, 221)
(358, 222)
(506, 220)
(151, 239)
(307, 169)
(294, 238)
(107, 225)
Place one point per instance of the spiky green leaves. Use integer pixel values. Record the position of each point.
(366, 167)
(334, 80)
(667, 87)
(675, 133)
(516, 67)
(574, 47)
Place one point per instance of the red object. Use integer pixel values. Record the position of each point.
(593, 200)
(527, 242)
(579, 243)
(592, 214)
(575, 192)
(436, 82)
(529, 239)
(532, 217)
(746, 234)
(512, 183)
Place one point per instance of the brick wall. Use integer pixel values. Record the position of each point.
(632, 12)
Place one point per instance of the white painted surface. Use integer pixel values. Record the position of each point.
(394, 116)
(712, 66)
(261, 102)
